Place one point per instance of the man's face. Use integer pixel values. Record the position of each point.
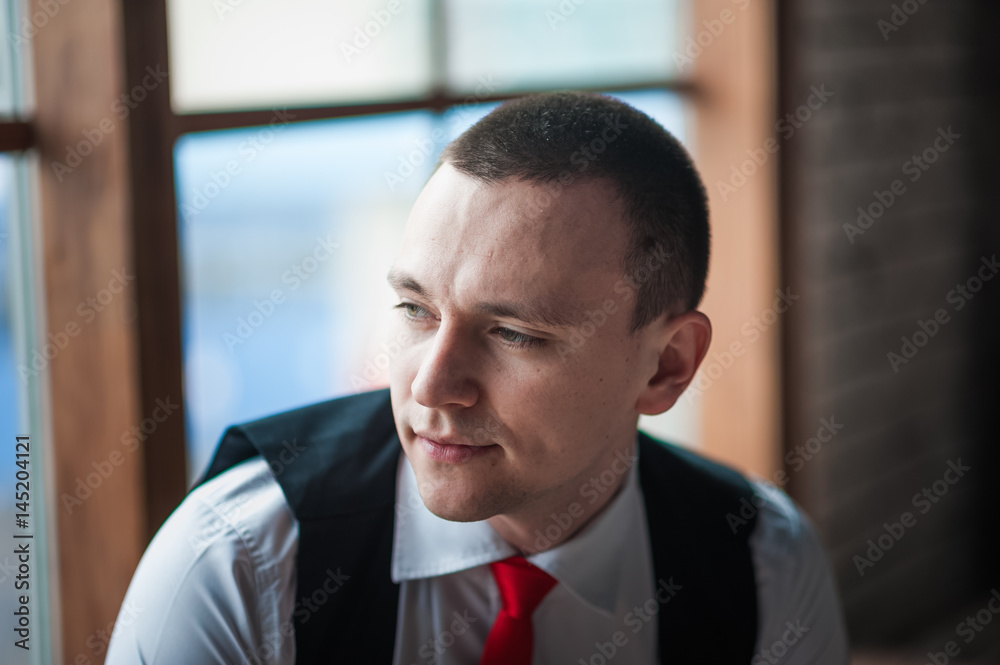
(541, 407)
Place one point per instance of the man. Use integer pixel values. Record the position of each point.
(548, 283)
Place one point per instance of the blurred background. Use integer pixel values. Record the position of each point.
(199, 200)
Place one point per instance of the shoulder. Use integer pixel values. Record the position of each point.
(320, 452)
(799, 609)
(243, 509)
(218, 576)
(689, 472)
(799, 612)
(323, 420)
(690, 489)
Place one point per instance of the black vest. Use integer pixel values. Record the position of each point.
(336, 462)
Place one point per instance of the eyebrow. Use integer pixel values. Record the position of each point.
(544, 314)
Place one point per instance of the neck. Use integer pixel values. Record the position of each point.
(555, 519)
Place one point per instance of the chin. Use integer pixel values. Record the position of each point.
(457, 507)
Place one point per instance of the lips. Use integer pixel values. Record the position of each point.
(452, 450)
(447, 440)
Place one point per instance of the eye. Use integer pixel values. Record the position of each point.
(412, 310)
(512, 338)
(518, 339)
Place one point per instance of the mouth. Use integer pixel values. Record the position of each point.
(453, 452)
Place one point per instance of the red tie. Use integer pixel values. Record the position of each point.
(522, 586)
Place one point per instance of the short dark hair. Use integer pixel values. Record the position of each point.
(560, 138)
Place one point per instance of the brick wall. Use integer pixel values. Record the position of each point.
(898, 87)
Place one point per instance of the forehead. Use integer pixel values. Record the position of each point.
(514, 238)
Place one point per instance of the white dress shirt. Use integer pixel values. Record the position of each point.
(217, 583)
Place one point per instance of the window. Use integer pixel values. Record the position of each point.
(25, 352)
(241, 141)
(286, 229)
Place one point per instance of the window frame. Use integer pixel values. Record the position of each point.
(136, 362)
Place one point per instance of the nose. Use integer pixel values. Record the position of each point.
(445, 374)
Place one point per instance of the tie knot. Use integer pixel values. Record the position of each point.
(522, 585)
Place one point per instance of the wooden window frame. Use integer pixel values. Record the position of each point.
(112, 378)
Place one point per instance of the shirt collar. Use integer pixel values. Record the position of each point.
(588, 564)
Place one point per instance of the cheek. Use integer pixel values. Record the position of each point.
(550, 417)
(605, 372)
(403, 364)
(582, 402)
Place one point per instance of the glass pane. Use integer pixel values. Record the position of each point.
(237, 54)
(10, 396)
(16, 34)
(21, 522)
(526, 45)
(286, 236)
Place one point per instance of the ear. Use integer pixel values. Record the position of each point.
(681, 343)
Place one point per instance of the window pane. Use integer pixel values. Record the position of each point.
(284, 256)
(10, 397)
(238, 54)
(666, 108)
(20, 416)
(526, 45)
(16, 32)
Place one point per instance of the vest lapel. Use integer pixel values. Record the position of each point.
(336, 463)
(704, 577)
